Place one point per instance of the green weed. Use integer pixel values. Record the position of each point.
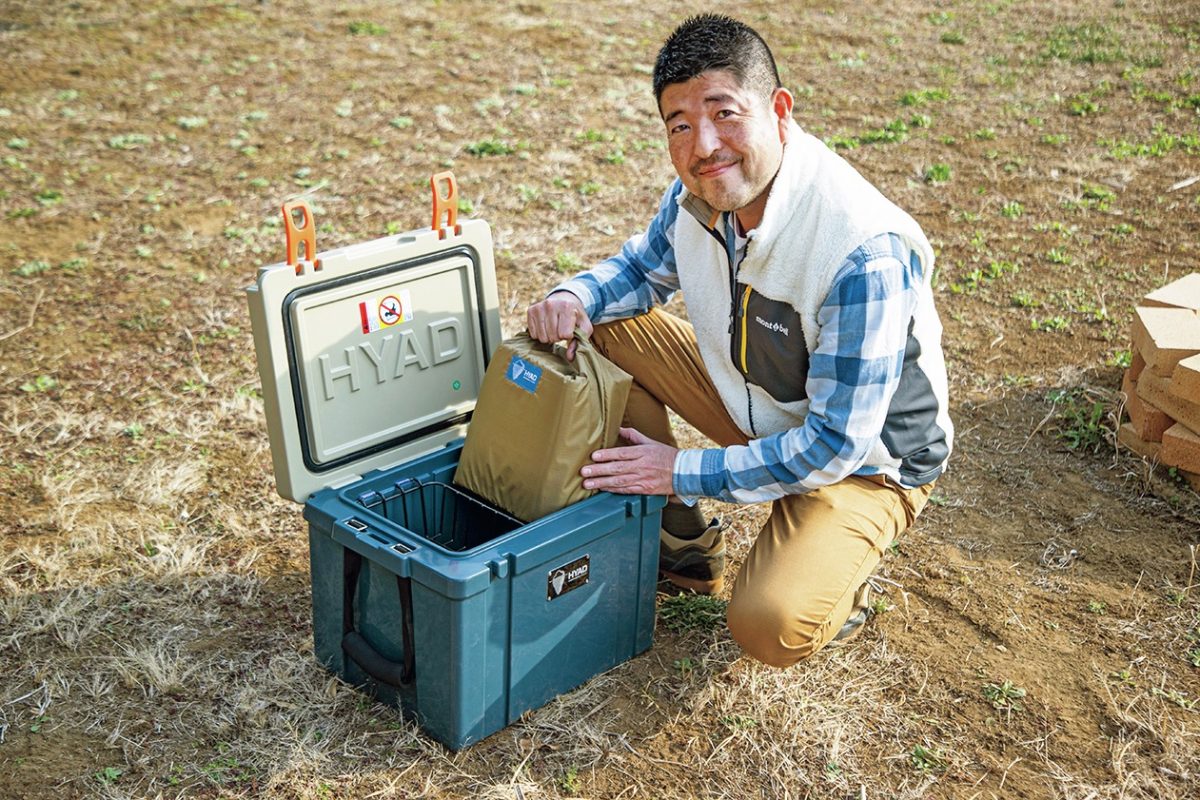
(401, 123)
(1058, 255)
(128, 141)
(1079, 419)
(17, 143)
(1012, 209)
(1096, 607)
(937, 173)
(685, 665)
(1023, 298)
(191, 123)
(490, 147)
(42, 383)
(570, 780)
(1055, 323)
(926, 759)
(366, 28)
(738, 722)
(953, 37)
(567, 262)
(1004, 696)
(685, 612)
(108, 775)
(923, 96)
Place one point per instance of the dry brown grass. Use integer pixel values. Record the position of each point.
(155, 638)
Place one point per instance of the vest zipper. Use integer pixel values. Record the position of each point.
(737, 309)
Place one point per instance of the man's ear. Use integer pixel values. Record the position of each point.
(781, 106)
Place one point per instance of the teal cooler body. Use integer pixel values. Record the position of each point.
(371, 358)
(465, 641)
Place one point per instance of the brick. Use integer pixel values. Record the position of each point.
(1136, 365)
(1164, 336)
(1181, 448)
(1185, 379)
(1182, 293)
(1155, 390)
(1148, 422)
(1128, 437)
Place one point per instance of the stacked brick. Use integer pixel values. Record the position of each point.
(1162, 385)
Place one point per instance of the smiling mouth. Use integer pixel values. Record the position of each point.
(713, 170)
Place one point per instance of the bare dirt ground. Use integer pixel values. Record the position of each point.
(1041, 637)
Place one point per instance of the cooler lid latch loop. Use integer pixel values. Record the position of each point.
(300, 231)
(445, 205)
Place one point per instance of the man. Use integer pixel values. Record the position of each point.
(813, 358)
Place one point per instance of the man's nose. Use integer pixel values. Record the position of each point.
(706, 141)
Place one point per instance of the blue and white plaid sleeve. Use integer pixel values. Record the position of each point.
(852, 376)
(640, 276)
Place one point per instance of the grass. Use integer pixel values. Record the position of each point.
(1081, 418)
(1005, 696)
(937, 173)
(154, 597)
(691, 612)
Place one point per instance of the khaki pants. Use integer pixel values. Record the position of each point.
(796, 588)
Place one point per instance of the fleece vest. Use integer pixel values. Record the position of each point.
(818, 212)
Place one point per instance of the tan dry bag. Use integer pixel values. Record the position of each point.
(538, 420)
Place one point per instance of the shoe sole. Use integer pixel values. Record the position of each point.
(696, 585)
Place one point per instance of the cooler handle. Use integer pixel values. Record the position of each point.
(356, 646)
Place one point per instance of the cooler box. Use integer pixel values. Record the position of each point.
(371, 358)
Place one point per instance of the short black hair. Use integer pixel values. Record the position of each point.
(715, 41)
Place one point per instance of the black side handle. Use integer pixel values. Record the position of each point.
(355, 645)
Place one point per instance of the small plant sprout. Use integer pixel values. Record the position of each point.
(926, 759)
(1096, 607)
(570, 780)
(739, 722)
(937, 173)
(366, 28)
(1012, 209)
(1004, 696)
(685, 665)
(108, 775)
(567, 262)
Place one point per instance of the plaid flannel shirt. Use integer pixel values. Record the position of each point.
(852, 374)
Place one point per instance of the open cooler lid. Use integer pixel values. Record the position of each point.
(372, 354)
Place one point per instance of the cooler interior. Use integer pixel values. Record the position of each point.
(439, 512)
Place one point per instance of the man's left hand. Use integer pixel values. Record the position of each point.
(644, 466)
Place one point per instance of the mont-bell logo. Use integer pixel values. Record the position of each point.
(561, 580)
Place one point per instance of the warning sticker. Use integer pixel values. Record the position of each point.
(386, 311)
(523, 374)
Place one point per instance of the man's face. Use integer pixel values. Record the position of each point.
(726, 143)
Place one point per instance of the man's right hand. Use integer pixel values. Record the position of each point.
(556, 318)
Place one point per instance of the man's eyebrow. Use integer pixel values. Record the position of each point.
(720, 97)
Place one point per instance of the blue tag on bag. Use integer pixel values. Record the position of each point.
(523, 374)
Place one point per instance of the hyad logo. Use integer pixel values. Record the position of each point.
(557, 581)
(518, 369)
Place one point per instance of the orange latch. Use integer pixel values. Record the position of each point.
(447, 205)
(303, 232)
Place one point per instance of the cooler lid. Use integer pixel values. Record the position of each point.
(372, 354)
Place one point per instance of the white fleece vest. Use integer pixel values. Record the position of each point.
(819, 210)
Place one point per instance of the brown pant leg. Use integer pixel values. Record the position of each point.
(659, 350)
(796, 588)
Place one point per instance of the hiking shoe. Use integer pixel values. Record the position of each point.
(860, 612)
(697, 565)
